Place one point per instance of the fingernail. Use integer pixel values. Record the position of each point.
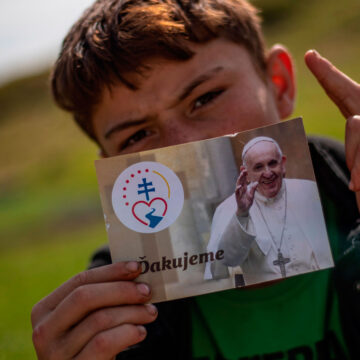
(132, 266)
(315, 52)
(142, 330)
(143, 289)
(152, 310)
(355, 117)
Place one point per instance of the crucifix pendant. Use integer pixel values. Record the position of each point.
(281, 261)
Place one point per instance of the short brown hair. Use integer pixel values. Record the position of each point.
(115, 37)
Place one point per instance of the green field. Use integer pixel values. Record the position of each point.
(51, 217)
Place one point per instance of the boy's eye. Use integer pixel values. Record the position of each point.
(205, 99)
(132, 140)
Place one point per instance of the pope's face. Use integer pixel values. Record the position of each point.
(217, 92)
(265, 165)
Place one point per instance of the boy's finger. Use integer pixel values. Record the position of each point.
(352, 140)
(357, 194)
(340, 88)
(104, 319)
(114, 272)
(88, 298)
(355, 173)
(108, 343)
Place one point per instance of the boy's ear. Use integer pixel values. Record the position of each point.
(280, 71)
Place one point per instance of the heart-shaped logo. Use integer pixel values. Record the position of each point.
(144, 212)
(147, 197)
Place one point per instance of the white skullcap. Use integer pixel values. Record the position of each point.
(256, 140)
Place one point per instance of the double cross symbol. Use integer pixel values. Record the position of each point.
(281, 261)
(147, 189)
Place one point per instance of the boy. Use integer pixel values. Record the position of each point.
(143, 74)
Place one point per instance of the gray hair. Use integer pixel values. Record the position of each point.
(256, 140)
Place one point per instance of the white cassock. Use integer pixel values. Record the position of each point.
(252, 242)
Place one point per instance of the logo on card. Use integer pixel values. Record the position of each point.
(147, 197)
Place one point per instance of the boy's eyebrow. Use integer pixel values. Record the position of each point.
(198, 81)
(183, 95)
(123, 126)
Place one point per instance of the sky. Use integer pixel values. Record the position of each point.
(31, 32)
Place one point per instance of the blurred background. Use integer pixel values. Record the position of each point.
(50, 214)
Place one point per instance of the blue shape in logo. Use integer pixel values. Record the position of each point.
(154, 219)
(146, 190)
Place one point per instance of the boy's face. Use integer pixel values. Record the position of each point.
(217, 92)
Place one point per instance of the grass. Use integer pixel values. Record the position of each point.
(30, 273)
(50, 216)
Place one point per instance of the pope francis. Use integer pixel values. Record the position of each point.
(271, 227)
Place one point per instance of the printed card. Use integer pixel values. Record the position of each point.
(216, 214)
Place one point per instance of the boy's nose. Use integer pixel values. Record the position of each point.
(178, 131)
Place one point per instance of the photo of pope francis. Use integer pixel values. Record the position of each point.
(271, 227)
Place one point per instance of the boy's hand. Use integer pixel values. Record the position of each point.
(95, 315)
(345, 93)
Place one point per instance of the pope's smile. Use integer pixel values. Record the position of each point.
(269, 182)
